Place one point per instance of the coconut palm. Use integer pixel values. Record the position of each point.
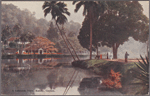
(92, 10)
(58, 11)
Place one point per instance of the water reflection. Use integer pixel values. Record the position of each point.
(48, 76)
(92, 82)
(43, 76)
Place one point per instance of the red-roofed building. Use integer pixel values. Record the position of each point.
(12, 39)
(13, 43)
(18, 42)
(40, 45)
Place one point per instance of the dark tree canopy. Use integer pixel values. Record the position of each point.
(6, 33)
(17, 30)
(52, 33)
(92, 10)
(123, 19)
(12, 45)
(84, 34)
(57, 9)
(116, 25)
(27, 37)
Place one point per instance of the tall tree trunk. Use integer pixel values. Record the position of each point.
(115, 49)
(147, 48)
(97, 49)
(90, 15)
(71, 45)
(65, 41)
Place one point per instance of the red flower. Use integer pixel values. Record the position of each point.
(113, 81)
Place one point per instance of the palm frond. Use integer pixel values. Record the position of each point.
(147, 60)
(143, 60)
(140, 72)
(53, 13)
(61, 19)
(78, 5)
(61, 4)
(65, 10)
(143, 74)
(74, 2)
(139, 67)
(142, 64)
(85, 10)
(53, 2)
(57, 10)
(46, 11)
(46, 4)
(144, 79)
(139, 75)
(68, 13)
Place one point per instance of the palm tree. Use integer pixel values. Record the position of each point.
(92, 10)
(58, 11)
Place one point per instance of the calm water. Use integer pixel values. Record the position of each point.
(43, 77)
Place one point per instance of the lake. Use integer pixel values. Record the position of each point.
(49, 76)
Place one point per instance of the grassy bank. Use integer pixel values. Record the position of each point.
(130, 85)
(103, 67)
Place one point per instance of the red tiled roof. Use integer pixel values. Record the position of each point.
(43, 39)
(13, 38)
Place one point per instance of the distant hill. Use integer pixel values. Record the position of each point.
(12, 15)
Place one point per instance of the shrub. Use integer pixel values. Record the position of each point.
(114, 80)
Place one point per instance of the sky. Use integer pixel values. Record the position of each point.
(36, 6)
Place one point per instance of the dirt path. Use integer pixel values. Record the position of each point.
(123, 60)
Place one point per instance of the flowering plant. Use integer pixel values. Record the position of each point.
(114, 80)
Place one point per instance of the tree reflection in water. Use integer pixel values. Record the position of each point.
(52, 78)
(40, 78)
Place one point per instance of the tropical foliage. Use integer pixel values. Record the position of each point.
(6, 33)
(113, 28)
(143, 73)
(58, 11)
(92, 10)
(27, 37)
(52, 33)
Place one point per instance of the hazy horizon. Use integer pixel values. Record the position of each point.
(36, 6)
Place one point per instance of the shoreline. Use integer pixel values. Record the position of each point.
(36, 56)
(127, 70)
